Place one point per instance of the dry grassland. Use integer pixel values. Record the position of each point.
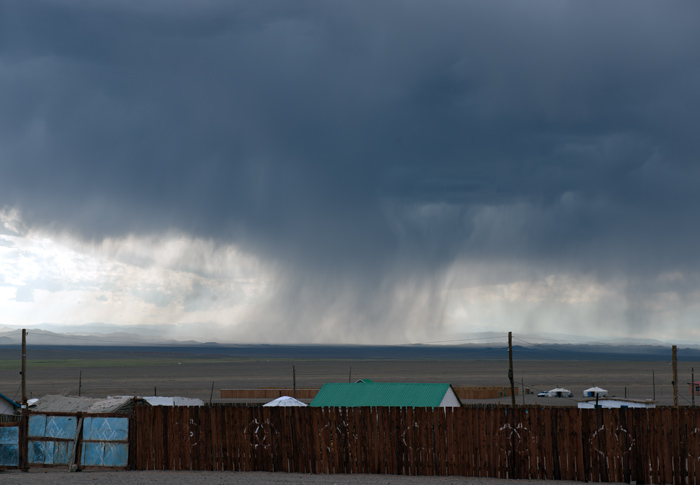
(192, 376)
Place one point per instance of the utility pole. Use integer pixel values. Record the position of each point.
(674, 355)
(211, 394)
(653, 384)
(510, 368)
(294, 381)
(25, 408)
(24, 368)
(522, 384)
(692, 385)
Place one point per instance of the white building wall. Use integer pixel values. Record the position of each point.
(6, 407)
(614, 403)
(450, 400)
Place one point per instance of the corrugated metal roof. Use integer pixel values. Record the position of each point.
(74, 404)
(9, 400)
(173, 401)
(380, 394)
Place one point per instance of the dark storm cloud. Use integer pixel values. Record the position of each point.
(377, 140)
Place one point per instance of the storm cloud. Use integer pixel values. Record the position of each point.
(378, 156)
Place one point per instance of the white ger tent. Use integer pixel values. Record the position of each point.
(285, 401)
(559, 392)
(595, 391)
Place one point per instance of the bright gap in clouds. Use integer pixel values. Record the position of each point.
(170, 281)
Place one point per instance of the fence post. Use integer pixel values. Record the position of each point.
(674, 362)
(72, 465)
(133, 440)
(23, 442)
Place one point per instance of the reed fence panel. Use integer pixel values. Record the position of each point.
(603, 445)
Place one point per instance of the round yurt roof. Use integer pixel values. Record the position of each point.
(285, 401)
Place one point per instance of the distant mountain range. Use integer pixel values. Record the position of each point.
(485, 345)
(90, 334)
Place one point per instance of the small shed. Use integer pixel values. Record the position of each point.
(8, 406)
(616, 403)
(285, 401)
(386, 394)
(694, 388)
(595, 391)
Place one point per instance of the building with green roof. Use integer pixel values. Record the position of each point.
(386, 394)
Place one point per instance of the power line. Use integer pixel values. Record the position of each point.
(14, 398)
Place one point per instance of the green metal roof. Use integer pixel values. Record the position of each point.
(380, 394)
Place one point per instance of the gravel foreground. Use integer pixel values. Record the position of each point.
(53, 476)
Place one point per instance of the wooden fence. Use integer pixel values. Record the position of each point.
(270, 393)
(483, 392)
(613, 445)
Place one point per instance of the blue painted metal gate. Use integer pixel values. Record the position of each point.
(89, 440)
(9, 445)
(105, 442)
(50, 439)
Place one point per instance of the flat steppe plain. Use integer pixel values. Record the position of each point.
(191, 371)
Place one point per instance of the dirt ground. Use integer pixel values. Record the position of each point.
(637, 380)
(39, 476)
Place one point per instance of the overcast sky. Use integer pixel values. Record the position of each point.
(351, 171)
